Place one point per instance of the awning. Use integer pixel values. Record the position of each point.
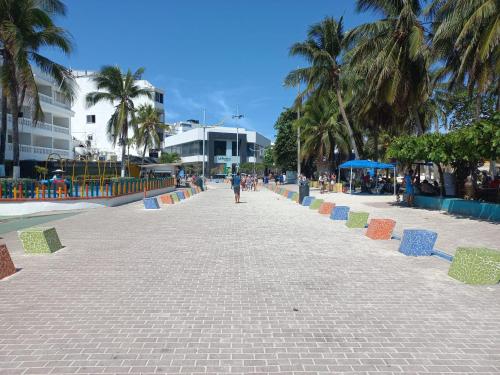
(357, 164)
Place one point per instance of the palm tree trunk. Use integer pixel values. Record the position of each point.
(16, 172)
(144, 152)
(375, 142)
(416, 118)
(124, 148)
(348, 125)
(3, 130)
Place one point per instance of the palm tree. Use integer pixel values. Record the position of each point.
(25, 27)
(466, 37)
(119, 90)
(321, 132)
(323, 50)
(149, 127)
(393, 56)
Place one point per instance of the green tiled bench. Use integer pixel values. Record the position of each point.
(175, 197)
(357, 219)
(316, 204)
(477, 266)
(40, 240)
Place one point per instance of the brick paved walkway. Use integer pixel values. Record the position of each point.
(207, 286)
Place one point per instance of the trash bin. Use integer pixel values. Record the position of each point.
(199, 182)
(303, 191)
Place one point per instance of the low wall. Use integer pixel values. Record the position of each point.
(31, 207)
(457, 206)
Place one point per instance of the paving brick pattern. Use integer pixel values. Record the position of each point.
(211, 287)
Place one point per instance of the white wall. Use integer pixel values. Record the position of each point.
(102, 112)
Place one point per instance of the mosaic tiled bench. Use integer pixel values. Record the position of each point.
(285, 193)
(357, 219)
(40, 240)
(175, 197)
(193, 191)
(417, 242)
(340, 213)
(166, 199)
(380, 229)
(326, 208)
(181, 195)
(187, 193)
(151, 203)
(478, 266)
(316, 204)
(290, 194)
(6, 265)
(307, 201)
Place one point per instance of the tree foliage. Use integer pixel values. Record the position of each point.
(285, 146)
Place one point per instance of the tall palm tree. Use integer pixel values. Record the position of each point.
(26, 26)
(323, 50)
(119, 90)
(393, 56)
(467, 37)
(321, 132)
(148, 128)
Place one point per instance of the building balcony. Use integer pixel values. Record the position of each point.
(28, 152)
(51, 100)
(38, 127)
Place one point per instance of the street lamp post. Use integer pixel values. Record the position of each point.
(237, 116)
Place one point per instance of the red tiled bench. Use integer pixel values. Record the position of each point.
(6, 265)
(380, 229)
(326, 208)
(166, 199)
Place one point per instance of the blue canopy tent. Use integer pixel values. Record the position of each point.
(362, 164)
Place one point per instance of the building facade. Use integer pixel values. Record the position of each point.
(90, 123)
(224, 147)
(50, 135)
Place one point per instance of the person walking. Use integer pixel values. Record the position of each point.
(236, 181)
(409, 188)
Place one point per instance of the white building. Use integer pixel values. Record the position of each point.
(221, 150)
(90, 123)
(52, 135)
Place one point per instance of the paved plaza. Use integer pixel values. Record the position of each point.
(267, 286)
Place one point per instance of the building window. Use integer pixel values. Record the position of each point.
(90, 119)
(159, 97)
(219, 148)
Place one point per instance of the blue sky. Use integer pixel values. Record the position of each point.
(213, 54)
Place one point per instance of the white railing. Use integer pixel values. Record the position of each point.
(41, 150)
(45, 98)
(60, 129)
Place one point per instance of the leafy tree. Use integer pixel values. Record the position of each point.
(391, 54)
(269, 161)
(323, 50)
(170, 157)
(321, 132)
(27, 26)
(148, 127)
(119, 90)
(285, 146)
(466, 37)
(250, 168)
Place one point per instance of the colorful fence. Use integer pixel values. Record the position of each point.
(93, 189)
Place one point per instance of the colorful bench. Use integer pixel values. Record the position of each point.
(151, 203)
(357, 219)
(380, 229)
(477, 266)
(166, 199)
(295, 197)
(290, 194)
(6, 265)
(326, 208)
(181, 195)
(40, 240)
(340, 213)
(307, 201)
(417, 242)
(316, 204)
(175, 197)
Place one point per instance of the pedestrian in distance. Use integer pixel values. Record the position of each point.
(236, 182)
(409, 188)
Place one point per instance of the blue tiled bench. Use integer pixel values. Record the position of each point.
(307, 201)
(181, 195)
(290, 194)
(151, 203)
(340, 213)
(417, 242)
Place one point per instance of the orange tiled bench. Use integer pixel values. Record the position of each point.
(187, 193)
(380, 229)
(6, 265)
(166, 199)
(326, 208)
